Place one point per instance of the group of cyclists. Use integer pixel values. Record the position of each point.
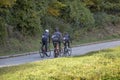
(56, 37)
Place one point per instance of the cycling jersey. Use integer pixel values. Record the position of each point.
(56, 36)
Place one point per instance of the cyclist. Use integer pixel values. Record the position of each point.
(45, 40)
(57, 37)
(66, 40)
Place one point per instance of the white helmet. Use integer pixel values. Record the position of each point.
(46, 30)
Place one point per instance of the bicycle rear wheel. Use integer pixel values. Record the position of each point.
(61, 52)
(56, 53)
(69, 51)
(41, 53)
(48, 52)
(65, 52)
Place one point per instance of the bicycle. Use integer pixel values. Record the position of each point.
(57, 51)
(43, 52)
(67, 51)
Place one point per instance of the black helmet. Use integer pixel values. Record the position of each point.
(57, 29)
(65, 33)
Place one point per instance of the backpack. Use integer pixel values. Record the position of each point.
(66, 38)
(56, 36)
(44, 37)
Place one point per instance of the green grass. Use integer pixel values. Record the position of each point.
(99, 65)
(15, 46)
(94, 39)
(19, 47)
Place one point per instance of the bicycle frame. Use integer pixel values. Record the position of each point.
(43, 52)
(67, 51)
(56, 50)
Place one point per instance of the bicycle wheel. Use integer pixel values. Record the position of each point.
(56, 53)
(61, 52)
(48, 52)
(41, 53)
(69, 51)
(65, 52)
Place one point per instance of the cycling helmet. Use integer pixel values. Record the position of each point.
(46, 30)
(65, 33)
(56, 29)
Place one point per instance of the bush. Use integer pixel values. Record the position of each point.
(3, 31)
(81, 15)
(115, 19)
(26, 18)
(52, 22)
(103, 19)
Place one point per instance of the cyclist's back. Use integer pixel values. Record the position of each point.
(66, 39)
(45, 38)
(56, 38)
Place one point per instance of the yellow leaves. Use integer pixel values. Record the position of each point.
(7, 3)
(55, 8)
(54, 12)
(89, 2)
(58, 5)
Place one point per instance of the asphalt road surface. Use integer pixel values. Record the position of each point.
(75, 51)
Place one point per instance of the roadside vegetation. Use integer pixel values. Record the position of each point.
(99, 65)
(23, 21)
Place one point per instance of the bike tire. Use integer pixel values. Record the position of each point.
(41, 53)
(69, 51)
(48, 53)
(56, 53)
(65, 52)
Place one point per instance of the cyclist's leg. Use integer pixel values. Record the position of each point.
(69, 44)
(46, 46)
(55, 45)
(59, 42)
(43, 44)
(64, 45)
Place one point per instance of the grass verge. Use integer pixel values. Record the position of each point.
(99, 65)
(17, 47)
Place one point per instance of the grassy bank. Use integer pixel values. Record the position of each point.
(32, 44)
(100, 65)
(15, 46)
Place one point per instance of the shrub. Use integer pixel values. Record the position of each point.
(3, 31)
(81, 15)
(103, 19)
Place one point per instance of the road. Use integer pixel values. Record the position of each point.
(75, 51)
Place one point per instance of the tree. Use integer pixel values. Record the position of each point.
(7, 3)
(3, 31)
(81, 15)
